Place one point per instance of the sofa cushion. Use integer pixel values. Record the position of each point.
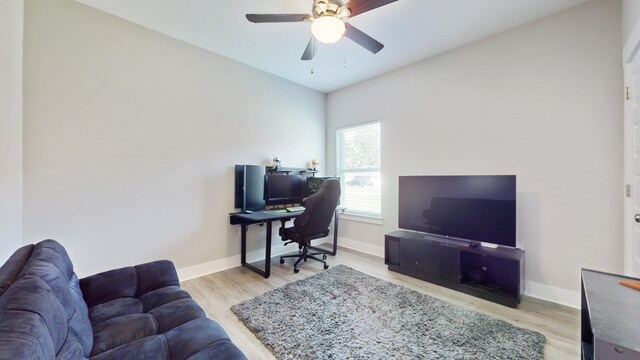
(114, 308)
(32, 295)
(12, 268)
(24, 335)
(150, 305)
(149, 348)
(131, 313)
(197, 336)
(157, 320)
(155, 298)
(122, 330)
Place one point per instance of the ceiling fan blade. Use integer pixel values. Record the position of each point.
(362, 39)
(310, 51)
(358, 7)
(276, 18)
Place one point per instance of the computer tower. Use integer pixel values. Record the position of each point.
(249, 187)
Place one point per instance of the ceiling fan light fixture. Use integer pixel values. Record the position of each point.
(327, 29)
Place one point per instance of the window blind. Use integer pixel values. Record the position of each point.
(358, 165)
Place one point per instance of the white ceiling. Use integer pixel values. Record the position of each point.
(411, 30)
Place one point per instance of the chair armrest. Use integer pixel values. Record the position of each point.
(128, 282)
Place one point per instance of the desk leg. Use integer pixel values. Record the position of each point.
(335, 234)
(243, 246)
(243, 252)
(267, 260)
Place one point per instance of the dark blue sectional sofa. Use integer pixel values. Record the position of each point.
(136, 312)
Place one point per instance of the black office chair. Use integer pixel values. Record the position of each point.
(313, 223)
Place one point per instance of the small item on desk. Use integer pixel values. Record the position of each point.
(277, 211)
(633, 284)
(295, 208)
(248, 212)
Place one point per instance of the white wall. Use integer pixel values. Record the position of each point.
(11, 21)
(630, 16)
(542, 101)
(131, 137)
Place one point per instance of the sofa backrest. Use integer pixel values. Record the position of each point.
(42, 312)
(11, 269)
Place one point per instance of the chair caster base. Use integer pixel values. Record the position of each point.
(324, 257)
(281, 261)
(326, 266)
(296, 270)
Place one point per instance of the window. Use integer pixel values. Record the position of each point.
(358, 166)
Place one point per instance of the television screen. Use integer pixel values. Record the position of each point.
(476, 208)
(284, 189)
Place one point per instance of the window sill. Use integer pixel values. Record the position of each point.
(361, 218)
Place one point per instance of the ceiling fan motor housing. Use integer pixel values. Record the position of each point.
(329, 8)
(329, 22)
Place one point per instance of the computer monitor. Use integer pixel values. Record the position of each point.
(250, 187)
(284, 189)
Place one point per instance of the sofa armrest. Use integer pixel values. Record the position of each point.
(128, 282)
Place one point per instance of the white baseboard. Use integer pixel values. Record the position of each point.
(533, 289)
(361, 246)
(210, 267)
(553, 294)
(192, 272)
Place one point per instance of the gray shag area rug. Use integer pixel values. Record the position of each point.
(343, 313)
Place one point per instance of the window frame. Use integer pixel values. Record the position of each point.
(350, 213)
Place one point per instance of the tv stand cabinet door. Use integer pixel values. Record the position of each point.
(430, 258)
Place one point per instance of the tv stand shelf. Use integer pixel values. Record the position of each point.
(492, 274)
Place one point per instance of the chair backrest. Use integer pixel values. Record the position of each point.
(319, 209)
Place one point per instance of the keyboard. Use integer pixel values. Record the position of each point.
(295, 208)
(277, 211)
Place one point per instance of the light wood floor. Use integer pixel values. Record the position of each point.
(217, 292)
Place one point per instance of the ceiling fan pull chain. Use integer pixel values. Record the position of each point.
(313, 44)
(344, 53)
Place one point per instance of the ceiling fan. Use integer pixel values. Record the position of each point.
(328, 22)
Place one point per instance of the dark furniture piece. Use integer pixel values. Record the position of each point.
(249, 183)
(135, 312)
(610, 317)
(262, 217)
(279, 170)
(313, 223)
(492, 274)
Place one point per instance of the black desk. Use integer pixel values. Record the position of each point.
(610, 317)
(261, 217)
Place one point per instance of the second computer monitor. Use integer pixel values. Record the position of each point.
(284, 189)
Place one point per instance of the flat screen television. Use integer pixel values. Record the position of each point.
(284, 189)
(477, 208)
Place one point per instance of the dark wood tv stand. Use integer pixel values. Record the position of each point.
(492, 274)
